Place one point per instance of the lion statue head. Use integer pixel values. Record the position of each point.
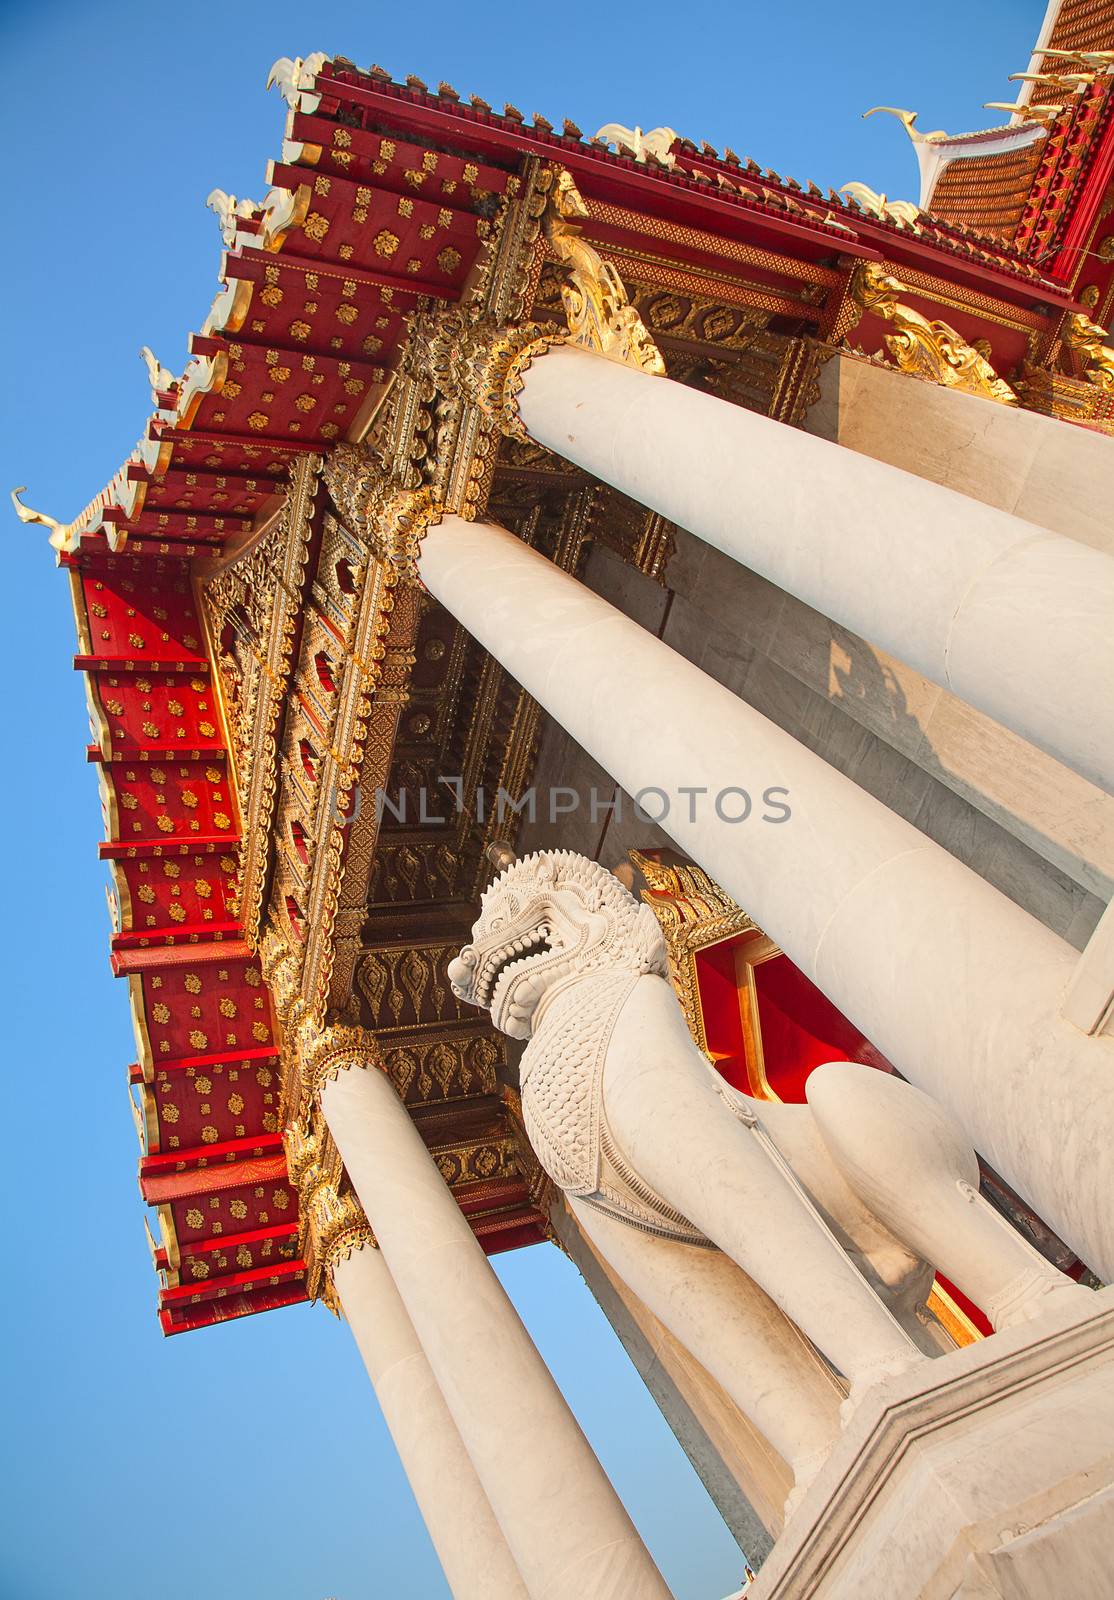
(548, 918)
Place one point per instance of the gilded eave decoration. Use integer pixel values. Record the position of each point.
(254, 602)
(598, 313)
(693, 913)
(930, 350)
(1087, 342)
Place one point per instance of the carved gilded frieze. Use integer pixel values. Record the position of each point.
(444, 1066)
(693, 913)
(930, 350)
(405, 986)
(252, 606)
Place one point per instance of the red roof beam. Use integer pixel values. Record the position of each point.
(226, 1153)
(252, 263)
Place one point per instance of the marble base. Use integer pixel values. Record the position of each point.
(986, 1473)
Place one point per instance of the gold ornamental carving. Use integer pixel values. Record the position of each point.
(390, 521)
(693, 912)
(599, 315)
(474, 357)
(931, 350)
(331, 1221)
(1087, 342)
(251, 606)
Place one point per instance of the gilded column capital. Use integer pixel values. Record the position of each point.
(391, 521)
(335, 1226)
(932, 350)
(324, 1054)
(331, 1221)
(479, 359)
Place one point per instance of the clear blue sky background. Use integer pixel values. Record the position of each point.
(250, 1460)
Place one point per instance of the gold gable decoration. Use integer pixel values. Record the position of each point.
(931, 350)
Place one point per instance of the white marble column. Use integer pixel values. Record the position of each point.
(469, 1542)
(956, 984)
(1012, 618)
(566, 1527)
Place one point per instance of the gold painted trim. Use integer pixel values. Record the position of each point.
(139, 1023)
(749, 956)
(664, 272)
(714, 243)
(952, 1317)
(80, 613)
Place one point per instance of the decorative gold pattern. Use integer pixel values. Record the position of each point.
(598, 313)
(478, 359)
(390, 522)
(1087, 342)
(693, 913)
(256, 598)
(930, 350)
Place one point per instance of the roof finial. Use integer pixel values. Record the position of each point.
(903, 212)
(1025, 109)
(60, 536)
(292, 76)
(907, 120)
(161, 377)
(656, 143)
(228, 212)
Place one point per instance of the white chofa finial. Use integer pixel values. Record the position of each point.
(903, 212)
(294, 76)
(228, 211)
(656, 143)
(161, 377)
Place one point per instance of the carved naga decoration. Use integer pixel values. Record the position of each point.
(597, 310)
(733, 1219)
(932, 350)
(1087, 341)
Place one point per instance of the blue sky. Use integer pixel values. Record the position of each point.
(250, 1459)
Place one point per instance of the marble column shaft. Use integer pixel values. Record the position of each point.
(1014, 619)
(955, 983)
(566, 1527)
(470, 1546)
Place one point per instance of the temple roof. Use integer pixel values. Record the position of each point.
(383, 202)
(1020, 182)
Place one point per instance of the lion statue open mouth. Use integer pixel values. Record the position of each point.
(544, 918)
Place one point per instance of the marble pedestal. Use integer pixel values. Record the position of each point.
(987, 1474)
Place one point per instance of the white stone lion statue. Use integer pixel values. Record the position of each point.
(737, 1222)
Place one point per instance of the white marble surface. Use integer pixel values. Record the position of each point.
(1038, 467)
(956, 985)
(986, 1475)
(735, 1332)
(566, 1527)
(470, 1546)
(1009, 616)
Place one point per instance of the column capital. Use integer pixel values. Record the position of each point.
(323, 1054)
(335, 1227)
(479, 359)
(331, 1220)
(390, 520)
